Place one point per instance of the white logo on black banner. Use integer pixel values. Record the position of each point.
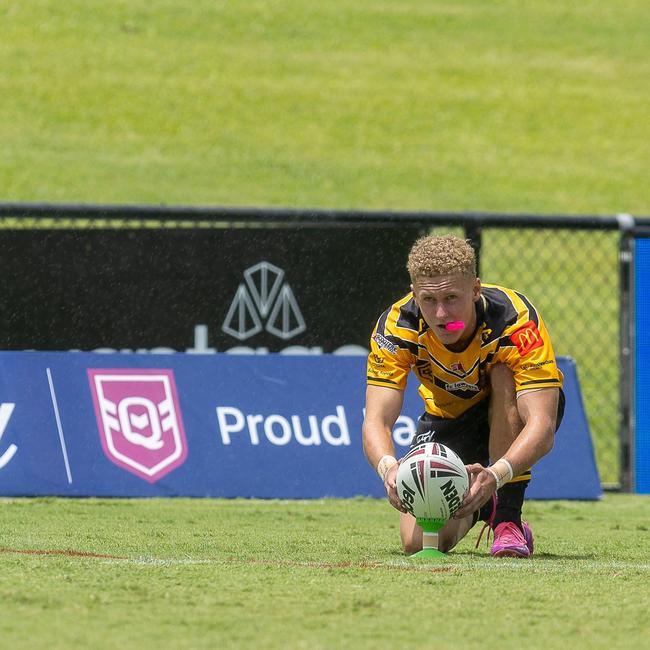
(263, 295)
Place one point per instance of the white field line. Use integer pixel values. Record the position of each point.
(528, 566)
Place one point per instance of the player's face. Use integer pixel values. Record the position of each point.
(448, 299)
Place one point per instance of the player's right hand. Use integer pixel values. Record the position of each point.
(390, 483)
(481, 487)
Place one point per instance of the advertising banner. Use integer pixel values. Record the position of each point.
(307, 290)
(272, 426)
(641, 451)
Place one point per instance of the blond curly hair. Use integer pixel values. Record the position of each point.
(444, 255)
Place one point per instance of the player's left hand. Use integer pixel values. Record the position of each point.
(482, 485)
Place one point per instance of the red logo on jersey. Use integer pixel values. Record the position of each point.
(527, 338)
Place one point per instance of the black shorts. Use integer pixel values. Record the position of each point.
(467, 435)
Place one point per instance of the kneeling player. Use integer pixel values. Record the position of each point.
(490, 384)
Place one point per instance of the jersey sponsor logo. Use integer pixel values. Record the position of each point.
(264, 295)
(139, 420)
(377, 372)
(383, 343)
(377, 367)
(421, 439)
(457, 367)
(462, 385)
(536, 366)
(527, 338)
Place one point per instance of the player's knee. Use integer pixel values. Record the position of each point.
(411, 537)
(453, 531)
(411, 545)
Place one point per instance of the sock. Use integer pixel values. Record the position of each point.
(511, 501)
(485, 512)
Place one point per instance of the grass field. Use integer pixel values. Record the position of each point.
(509, 106)
(506, 106)
(313, 574)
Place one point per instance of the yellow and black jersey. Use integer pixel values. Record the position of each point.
(509, 331)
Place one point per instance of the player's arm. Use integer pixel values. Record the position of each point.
(538, 412)
(383, 406)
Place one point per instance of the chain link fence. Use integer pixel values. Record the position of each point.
(572, 277)
(567, 266)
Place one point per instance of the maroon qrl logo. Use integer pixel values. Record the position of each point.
(139, 420)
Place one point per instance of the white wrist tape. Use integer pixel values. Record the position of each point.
(384, 464)
(502, 472)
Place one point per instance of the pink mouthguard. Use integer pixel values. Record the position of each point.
(455, 325)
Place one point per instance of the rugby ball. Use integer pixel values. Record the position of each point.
(432, 481)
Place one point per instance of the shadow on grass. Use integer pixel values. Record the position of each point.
(480, 554)
(563, 556)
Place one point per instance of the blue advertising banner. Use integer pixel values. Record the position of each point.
(642, 365)
(272, 426)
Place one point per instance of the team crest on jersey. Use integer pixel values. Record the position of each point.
(457, 367)
(527, 338)
(383, 342)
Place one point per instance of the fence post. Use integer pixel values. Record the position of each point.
(626, 346)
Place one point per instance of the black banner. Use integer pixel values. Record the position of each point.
(203, 289)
